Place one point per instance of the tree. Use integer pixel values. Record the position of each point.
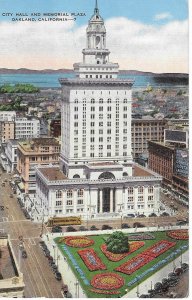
(117, 242)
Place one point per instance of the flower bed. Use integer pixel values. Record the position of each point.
(134, 264)
(141, 236)
(78, 241)
(105, 292)
(117, 257)
(91, 260)
(179, 234)
(145, 257)
(158, 248)
(107, 281)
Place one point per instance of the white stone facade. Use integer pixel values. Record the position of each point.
(97, 176)
(27, 128)
(7, 116)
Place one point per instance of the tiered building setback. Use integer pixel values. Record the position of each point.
(97, 176)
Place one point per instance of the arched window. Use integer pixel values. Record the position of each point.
(92, 101)
(80, 193)
(100, 100)
(130, 190)
(106, 175)
(125, 174)
(76, 176)
(140, 189)
(69, 194)
(58, 194)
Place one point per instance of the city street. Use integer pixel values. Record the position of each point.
(38, 277)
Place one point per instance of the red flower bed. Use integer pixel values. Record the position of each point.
(158, 248)
(117, 257)
(179, 234)
(134, 264)
(107, 281)
(105, 292)
(91, 260)
(78, 241)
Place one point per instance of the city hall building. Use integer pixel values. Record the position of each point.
(97, 176)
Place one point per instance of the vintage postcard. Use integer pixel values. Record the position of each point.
(94, 149)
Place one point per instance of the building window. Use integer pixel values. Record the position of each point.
(140, 199)
(58, 194)
(100, 100)
(80, 201)
(130, 190)
(150, 198)
(80, 193)
(100, 108)
(150, 190)
(140, 190)
(92, 101)
(69, 202)
(130, 199)
(69, 194)
(58, 203)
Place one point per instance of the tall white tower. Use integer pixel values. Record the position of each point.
(96, 109)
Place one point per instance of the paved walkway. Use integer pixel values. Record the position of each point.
(70, 279)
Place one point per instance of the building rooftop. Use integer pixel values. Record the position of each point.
(7, 269)
(30, 145)
(141, 172)
(53, 173)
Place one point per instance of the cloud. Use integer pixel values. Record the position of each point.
(163, 16)
(40, 45)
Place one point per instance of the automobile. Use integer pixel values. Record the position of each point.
(125, 225)
(65, 289)
(82, 228)
(42, 243)
(24, 253)
(71, 229)
(130, 216)
(184, 267)
(93, 227)
(178, 271)
(106, 227)
(137, 224)
(181, 222)
(141, 216)
(165, 214)
(58, 276)
(56, 229)
(152, 215)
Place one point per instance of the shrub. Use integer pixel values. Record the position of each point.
(117, 243)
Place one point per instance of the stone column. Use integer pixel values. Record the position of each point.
(75, 201)
(111, 200)
(64, 198)
(101, 201)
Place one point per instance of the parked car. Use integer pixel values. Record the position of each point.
(141, 216)
(152, 215)
(137, 224)
(58, 276)
(125, 225)
(165, 214)
(56, 229)
(65, 289)
(71, 229)
(82, 228)
(24, 253)
(130, 216)
(184, 267)
(93, 227)
(179, 223)
(106, 227)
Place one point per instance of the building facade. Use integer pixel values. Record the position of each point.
(35, 152)
(97, 176)
(7, 131)
(144, 130)
(7, 115)
(27, 128)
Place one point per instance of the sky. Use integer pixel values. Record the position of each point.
(145, 35)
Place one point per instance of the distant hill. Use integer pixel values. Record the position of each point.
(124, 72)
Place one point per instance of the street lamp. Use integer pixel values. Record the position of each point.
(76, 289)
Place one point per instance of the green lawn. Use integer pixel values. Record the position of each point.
(99, 240)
